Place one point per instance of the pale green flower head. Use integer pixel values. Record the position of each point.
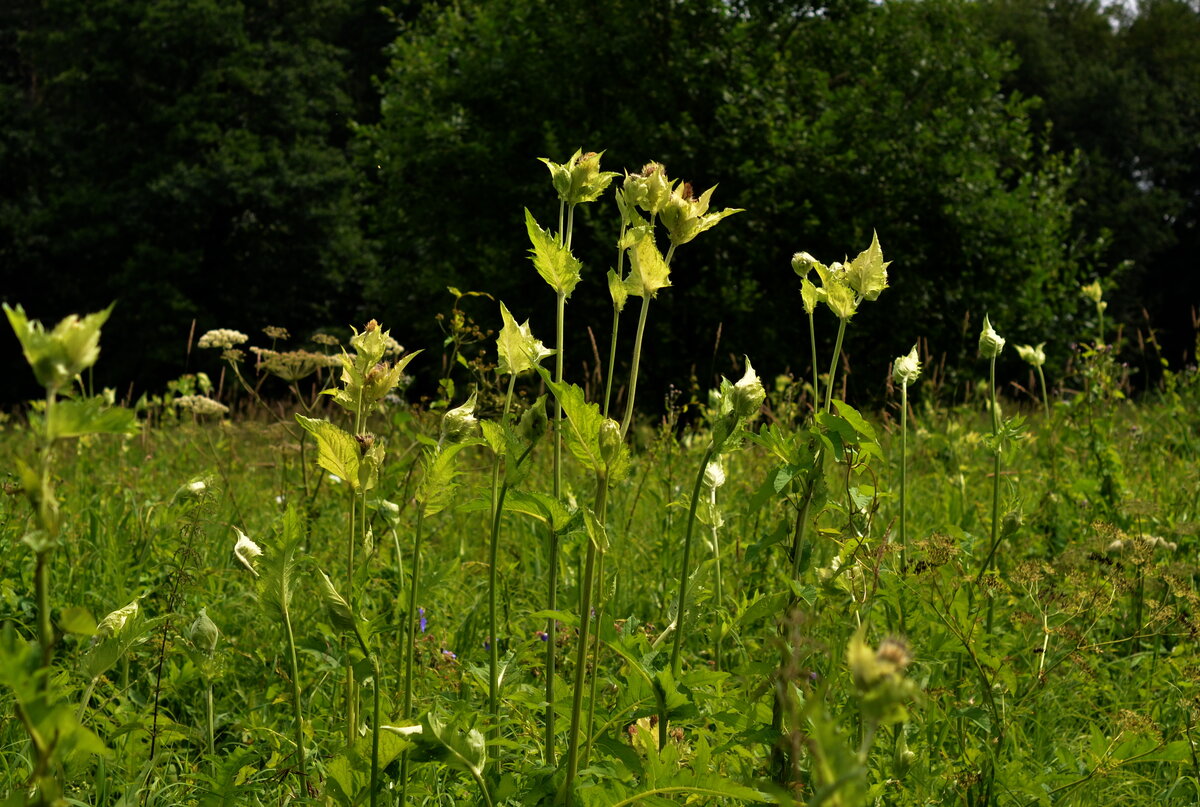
(747, 395)
(906, 369)
(685, 216)
(1093, 292)
(1034, 356)
(649, 189)
(459, 423)
(867, 273)
(246, 551)
(714, 474)
(204, 633)
(580, 179)
(370, 345)
(648, 270)
(516, 346)
(63, 353)
(990, 342)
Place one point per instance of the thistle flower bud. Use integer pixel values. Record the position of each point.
(204, 633)
(747, 395)
(714, 475)
(533, 424)
(246, 551)
(1034, 356)
(803, 263)
(906, 369)
(1093, 291)
(610, 441)
(460, 422)
(580, 179)
(649, 189)
(60, 355)
(990, 342)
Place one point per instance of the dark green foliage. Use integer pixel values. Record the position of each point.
(821, 123)
(186, 159)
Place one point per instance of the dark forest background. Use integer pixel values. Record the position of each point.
(314, 163)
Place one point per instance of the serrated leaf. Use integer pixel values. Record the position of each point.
(583, 429)
(617, 290)
(516, 346)
(80, 416)
(544, 508)
(436, 490)
(340, 612)
(553, 261)
(648, 271)
(338, 452)
(597, 532)
(867, 273)
(809, 295)
(277, 569)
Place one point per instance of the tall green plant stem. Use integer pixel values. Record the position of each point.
(812, 343)
(903, 472)
(585, 620)
(837, 352)
(612, 348)
(493, 552)
(681, 607)
(295, 671)
(720, 583)
(41, 574)
(410, 638)
(552, 596)
(995, 478)
(375, 714)
(637, 354)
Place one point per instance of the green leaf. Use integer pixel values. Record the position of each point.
(457, 747)
(436, 490)
(338, 452)
(516, 346)
(648, 271)
(277, 569)
(340, 612)
(78, 620)
(583, 429)
(617, 290)
(553, 261)
(541, 506)
(597, 532)
(852, 416)
(809, 296)
(74, 418)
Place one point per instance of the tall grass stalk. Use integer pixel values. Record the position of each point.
(493, 552)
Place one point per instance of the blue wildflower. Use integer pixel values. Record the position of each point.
(421, 612)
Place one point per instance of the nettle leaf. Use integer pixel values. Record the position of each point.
(851, 416)
(553, 261)
(80, 416)
(583, 429)
(867, 273)
(338, 451)
(648, 271)
(516, 346)
(617, 290)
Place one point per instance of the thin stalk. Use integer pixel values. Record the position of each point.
(903, 472)
(349, 693)
(633, 372)
(208, 703)
(493, 551)
(295, 671)
(995, 479)
(410, 637)
(720, 586)
(612, 349)
(552, 598)
(585, 621)
(812, 342)
(591, 720)
(681, 607)
(837, 352)
(41, 581)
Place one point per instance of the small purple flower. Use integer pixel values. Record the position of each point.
(449, 654)
(421, 611)
(541, 634)
(487, 644)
